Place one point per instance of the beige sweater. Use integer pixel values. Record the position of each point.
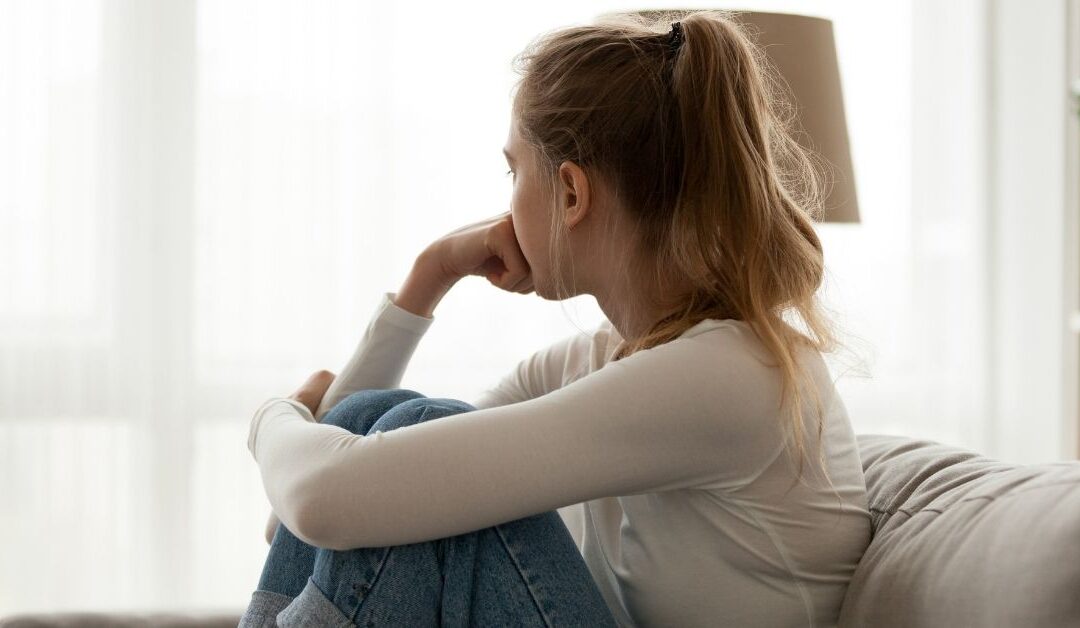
(674, 456)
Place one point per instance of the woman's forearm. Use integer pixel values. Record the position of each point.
(426, 284)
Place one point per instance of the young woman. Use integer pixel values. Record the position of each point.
(698, 431)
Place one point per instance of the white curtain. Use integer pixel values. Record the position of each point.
(201, 202)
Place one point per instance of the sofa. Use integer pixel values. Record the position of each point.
(959, 539)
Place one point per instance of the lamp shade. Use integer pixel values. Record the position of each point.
(802, 50)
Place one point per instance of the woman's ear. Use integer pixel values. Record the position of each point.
(576, 192)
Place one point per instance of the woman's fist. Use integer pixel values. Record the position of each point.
(311, 392)
(488, 248)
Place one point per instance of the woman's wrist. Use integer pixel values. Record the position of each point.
(426, 284)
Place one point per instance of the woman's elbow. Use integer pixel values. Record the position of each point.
(317, 530)
(315, 519)
(301, 514)
(311, 528)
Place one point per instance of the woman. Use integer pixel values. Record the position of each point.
(651, 170)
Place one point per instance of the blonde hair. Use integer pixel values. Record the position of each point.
(696, 143)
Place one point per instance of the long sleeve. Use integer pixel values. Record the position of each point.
(544, 371)
(382, 354)
(387, 345)
(378, 361)
(685, 414)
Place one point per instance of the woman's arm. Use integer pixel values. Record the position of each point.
(387, 345)
(379, 361)
(689, 413)
(536, 375)
(487, 248)
(400, 320)
(305, 399)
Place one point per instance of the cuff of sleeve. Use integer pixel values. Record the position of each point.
(270, 406)
(400, 317)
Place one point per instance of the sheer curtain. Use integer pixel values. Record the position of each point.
(201, 203)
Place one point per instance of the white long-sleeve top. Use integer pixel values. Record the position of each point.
(673, 454)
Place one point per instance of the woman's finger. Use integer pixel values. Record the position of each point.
(521, 286)
(320, 381)
(512, 257)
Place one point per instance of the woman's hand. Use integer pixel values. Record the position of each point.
(311, 392)
(489, 249)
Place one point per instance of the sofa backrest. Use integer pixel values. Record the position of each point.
(960, 539)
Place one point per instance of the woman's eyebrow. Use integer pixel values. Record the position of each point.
(507, 155)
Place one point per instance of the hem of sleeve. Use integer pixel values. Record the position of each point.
(400, 317)
(301, 409)
(256, 420)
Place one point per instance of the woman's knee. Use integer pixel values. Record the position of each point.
(360, 410)
(418, 410)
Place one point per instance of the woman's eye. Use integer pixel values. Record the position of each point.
(509, 172)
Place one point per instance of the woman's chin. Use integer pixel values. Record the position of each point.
(546, 291)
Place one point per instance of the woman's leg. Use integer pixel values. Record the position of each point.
(290, 561)
(523, 572)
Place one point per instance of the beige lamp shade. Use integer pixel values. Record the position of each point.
(801, 48)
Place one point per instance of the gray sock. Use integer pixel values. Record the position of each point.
(263, 609)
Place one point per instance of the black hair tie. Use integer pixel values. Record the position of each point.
(675, 39)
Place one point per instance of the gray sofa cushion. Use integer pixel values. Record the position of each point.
(964, 540)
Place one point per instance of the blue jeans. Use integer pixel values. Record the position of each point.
(526, 572)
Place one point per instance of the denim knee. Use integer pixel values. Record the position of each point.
(359, 410)
(418, 410)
